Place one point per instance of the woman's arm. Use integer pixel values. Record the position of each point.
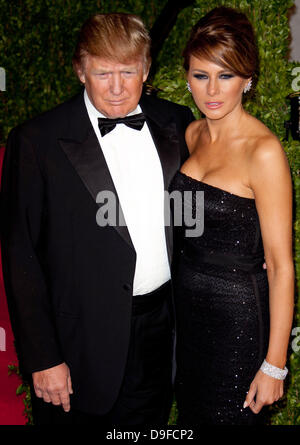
(270, 179)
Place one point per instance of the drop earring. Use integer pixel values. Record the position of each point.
(248, 86)
(188, 87)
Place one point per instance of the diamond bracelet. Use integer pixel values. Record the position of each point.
(273, 371)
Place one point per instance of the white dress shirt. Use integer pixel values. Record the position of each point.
(137, 175)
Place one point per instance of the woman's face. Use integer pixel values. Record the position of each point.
(216, 91)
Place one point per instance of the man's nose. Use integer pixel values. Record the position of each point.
(213, 87)
(116, 84)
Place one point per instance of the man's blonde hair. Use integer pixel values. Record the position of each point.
(119, 37)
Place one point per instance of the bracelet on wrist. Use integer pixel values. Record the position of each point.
(273, 371)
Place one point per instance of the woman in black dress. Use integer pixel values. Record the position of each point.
(233, 316)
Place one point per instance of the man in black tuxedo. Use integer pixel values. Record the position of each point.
(90, 303)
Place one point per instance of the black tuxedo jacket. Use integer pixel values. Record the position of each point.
(69, 281)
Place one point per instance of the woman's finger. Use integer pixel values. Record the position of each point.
(250, 396)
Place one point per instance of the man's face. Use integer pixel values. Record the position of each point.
(113, 88)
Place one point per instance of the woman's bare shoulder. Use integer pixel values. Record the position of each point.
(267, 156)
(267, 145)
(262, 142)
(193, 133)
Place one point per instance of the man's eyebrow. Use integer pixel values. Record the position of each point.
(129, 67)
(109, 70)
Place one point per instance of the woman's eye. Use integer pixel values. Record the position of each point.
(221, 76)
(200, 76)
(226, 76)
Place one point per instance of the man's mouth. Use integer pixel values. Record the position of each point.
(116, 102)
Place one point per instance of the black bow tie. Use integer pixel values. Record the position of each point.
(136, 122)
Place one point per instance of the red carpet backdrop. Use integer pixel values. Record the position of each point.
(11, 405)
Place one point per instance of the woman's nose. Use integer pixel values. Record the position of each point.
(213, 87)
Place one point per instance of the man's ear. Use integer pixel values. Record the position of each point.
(78, 68)
(146, 71)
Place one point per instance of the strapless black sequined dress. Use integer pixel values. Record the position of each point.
(221, 301)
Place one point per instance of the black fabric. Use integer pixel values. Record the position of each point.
(106, 125)
(68, 280)
(146, 393)
(199, 256)
(221, 307)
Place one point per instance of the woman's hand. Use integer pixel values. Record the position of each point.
(264, 390)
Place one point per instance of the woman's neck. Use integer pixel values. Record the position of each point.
(228, 126)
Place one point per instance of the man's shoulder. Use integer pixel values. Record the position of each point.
(165, 105)
(55, 118)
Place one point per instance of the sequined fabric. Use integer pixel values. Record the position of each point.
(221, 310)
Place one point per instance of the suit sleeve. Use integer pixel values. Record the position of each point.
(22, 209)
(189, 117)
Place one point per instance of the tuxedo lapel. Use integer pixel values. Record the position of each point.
(167, 145)
(81, 146)
(88, 160)
(165, 137)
